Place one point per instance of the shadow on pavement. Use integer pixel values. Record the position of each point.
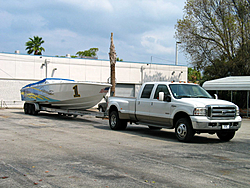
(163, 134)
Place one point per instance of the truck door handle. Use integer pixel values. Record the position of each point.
(152, 103)
(139, 102)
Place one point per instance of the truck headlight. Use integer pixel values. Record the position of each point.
(237, 111)
(200, 112)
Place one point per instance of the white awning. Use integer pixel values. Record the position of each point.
(231, 83)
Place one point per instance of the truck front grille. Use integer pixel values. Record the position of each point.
(221, 112)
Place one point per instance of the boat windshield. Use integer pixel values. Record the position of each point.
(188, 91)
(49, 80)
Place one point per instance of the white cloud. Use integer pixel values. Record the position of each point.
(142, 28)
(96, 5)
(160, 8)
(59, 33)
(158, 41)
(59, 41)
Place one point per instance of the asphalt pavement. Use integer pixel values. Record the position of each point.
(49, 150)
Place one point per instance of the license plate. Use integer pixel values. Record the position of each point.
(225, 126)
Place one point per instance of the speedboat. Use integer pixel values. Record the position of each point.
(65, 93)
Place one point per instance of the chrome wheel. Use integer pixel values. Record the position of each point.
(113, 120)
(182, 130)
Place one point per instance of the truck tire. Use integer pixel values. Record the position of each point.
(225, 136)
(184, 130)
(115, 122)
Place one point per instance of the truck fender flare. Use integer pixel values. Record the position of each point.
(179, 115)
(113, 107)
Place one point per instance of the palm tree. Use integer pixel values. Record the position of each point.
(112, 57)
(34, 45)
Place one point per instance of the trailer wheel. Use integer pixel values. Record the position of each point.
(115, 122)
(183, 130)
(33, 109)
(29, 108)
(25, 108)
(225, 136)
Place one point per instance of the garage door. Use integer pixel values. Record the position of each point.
(125, 90)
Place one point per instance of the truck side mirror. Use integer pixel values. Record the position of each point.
(215, 96)
(161, 96)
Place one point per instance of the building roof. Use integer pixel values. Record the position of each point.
(228, 83)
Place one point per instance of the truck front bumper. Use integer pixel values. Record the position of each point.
(205, 124)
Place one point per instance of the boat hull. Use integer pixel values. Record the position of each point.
(66, 95)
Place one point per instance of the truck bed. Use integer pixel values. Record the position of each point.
(126, 106)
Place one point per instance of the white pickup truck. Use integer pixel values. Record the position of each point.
(185, 107)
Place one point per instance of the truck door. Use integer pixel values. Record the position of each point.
(143, 103)
(159, 112)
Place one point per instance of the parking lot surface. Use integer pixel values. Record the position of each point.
(49, 150)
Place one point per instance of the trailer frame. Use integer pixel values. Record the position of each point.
(33, 108)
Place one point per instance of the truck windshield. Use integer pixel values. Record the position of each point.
(188, 91)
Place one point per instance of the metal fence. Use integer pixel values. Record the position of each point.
(11, 104)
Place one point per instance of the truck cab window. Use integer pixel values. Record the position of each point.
(188, 91)
(161, 88)
(147, 91)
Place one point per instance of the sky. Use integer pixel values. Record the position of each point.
(143, 29)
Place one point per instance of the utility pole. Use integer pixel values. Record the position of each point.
(176, 53)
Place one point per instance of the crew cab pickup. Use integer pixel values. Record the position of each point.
(185, 107)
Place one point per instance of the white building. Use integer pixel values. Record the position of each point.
(18, 70)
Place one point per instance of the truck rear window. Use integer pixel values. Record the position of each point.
(147, 91)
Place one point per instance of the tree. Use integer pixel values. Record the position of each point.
(88, 53)
(34, 45)
(194, 75)
(112, 58)
(215, 35)
(118, 59)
